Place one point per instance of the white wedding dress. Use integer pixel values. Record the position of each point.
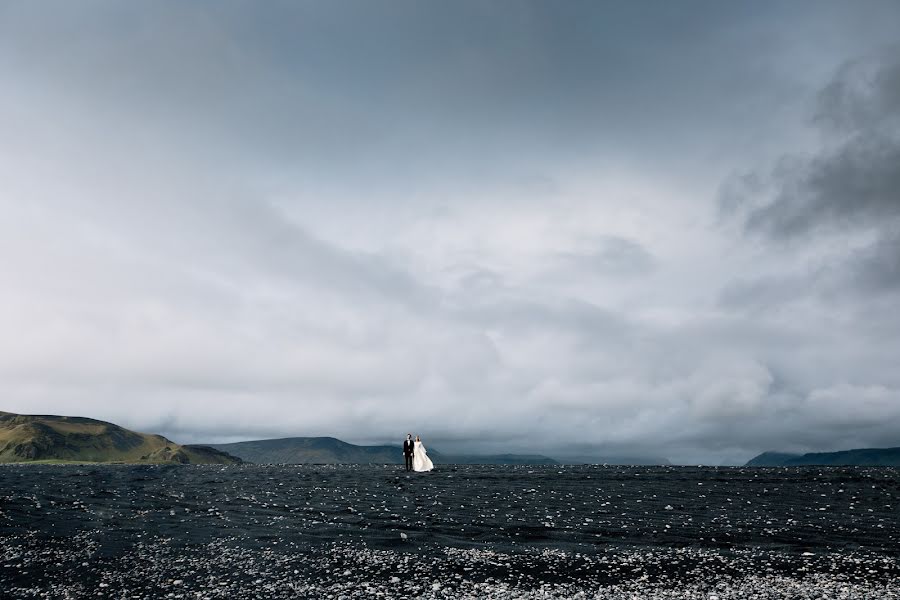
(421, 462)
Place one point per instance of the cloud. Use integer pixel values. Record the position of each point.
(852, 183)
(853, 406)
(764, 292)
(839, 205)
(494, 226)
(876, 268)
(729, 391)
(855, 186)
(608, 256)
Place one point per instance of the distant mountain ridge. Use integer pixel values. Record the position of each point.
(863, 457)
(329, 450)
(27, 438)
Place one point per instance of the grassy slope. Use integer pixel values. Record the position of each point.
(312, 450)
(25, 438)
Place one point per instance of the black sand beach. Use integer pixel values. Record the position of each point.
(69, 531)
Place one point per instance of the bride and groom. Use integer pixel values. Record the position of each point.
(415, 456)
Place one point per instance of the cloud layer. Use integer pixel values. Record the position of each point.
(587, 230)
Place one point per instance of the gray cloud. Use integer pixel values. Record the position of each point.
(876, 268)
(846, 195)
(609, 256)
(489, 224)
(854, 184)
(833, 217)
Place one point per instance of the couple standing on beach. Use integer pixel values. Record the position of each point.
(414, 455)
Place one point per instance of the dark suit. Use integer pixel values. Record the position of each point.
(408, 449)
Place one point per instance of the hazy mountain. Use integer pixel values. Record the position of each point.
(874, 457)
(25, 438)
(328, 450)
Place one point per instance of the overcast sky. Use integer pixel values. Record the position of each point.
(645, 228)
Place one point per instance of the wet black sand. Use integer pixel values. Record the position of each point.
(469, 531)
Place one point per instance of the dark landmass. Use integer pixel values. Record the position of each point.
(49, 438)
(865, 457)
(475, 531)
(771, 459)
(332, 451)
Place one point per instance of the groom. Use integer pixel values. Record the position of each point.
(408, 448)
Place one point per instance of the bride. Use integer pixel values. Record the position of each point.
(421, 462)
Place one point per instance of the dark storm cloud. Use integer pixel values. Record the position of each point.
(864, 95)
(856, 186)
(855, 182)
(850, 187)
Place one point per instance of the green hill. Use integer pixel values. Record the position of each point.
(328, 450)
(27, 438)
(868, 457)
(310, 450)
